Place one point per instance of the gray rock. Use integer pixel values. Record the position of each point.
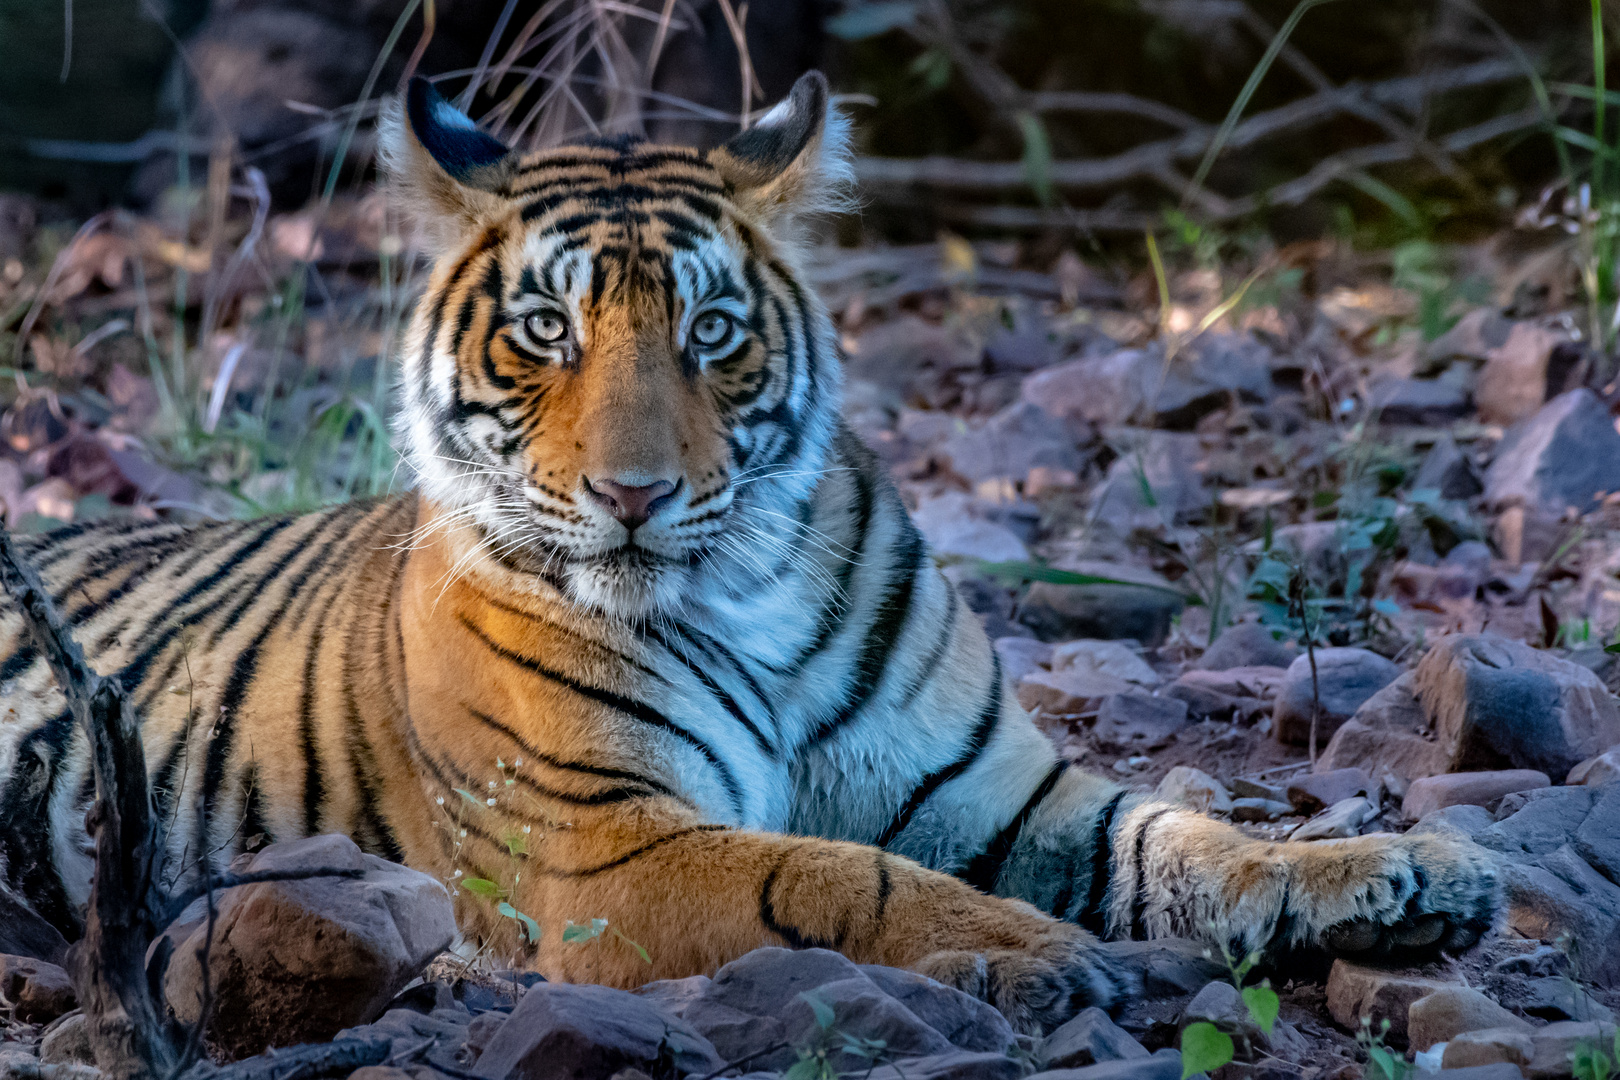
(1430, 402)
(969, 1024)
(1597, 839)
(1162, 1065)
(1387, 737)
(1012, 442)
(1105, 390)
(1141, 611)
(1560, 894)
(1547, 997)
(444, 1031)
(581, 1030)
(1537, 822)
(1565, 455)
(1166, 967)
(1432, 793)
(1449, 471)
(1314, 792)
(1233, 694)
(1345, 678)
(1246, 645)
(1444, 1014)
(1166, 464)
(39, 991)
(1338, 821)
(1087, 1039)
(1021, 656)
(295, 961)
(1192, 787)
(957, 1065)
(1136, 723)
(67, 1042)
(1259, 809)
(1496, 703)
(1597, 771)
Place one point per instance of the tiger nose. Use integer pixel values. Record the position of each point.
(631, 504)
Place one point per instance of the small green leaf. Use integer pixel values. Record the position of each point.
(575, 932)
(470, 797)
(1386, 607)
(482, 886)
(860, 21)
(1037, 157)
(824, 1013)
(516, 843)
(531, 929)
(1204, 1047)
(639, 950)
(1263, 1005)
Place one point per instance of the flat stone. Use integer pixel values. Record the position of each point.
(1015, 440)
(1233, 694)
(1167, 967)
(1447, 1013)
(1141, 610)
(1448, 470)
(955, 528)
(1087, 1039)
(1113, 658)
(1511, 1045)
(1555, 1042)
(560, 1030)
(1195, 788)
(1496, 703)
(1513, 383)
(1387, 737)
(967, 1022)
(38, 990)
(1163, 1065)
(67, 1042)
(1105, 390)
(1249, 788)
(1566, 454)
(1597, 839)
(1167, 464)
(1246, 645)
(296, 961)
(1021, 656)
(1137, 723)
(1345, 679)
(1431, 793)
(1354, 992)
(1317, 791)
(1597, 771)
(956, 1065)
(1430, 402)
(1259, 809)
(1069, 693)
(1341, 820)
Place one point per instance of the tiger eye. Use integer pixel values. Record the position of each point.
(711, 328)
(546, 327)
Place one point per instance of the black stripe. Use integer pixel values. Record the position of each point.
(1094, 918)
(988, 718)
(717, 692)
(983, 870)
(936, 655)
(613, 864)
(617, 702)
(1138, 902)
(767, 914)
(531, 753)
(314, 783)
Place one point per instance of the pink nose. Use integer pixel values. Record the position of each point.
(631, 505)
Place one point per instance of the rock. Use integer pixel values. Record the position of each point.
(1105, 658)
(1317, 791)
(1236, 693)
(1015, 440)
(67, 1042)
(23, 932)
(955, 528)
(1105, 390)
(1141, 610)
(561, 1030)
(1539, 961)
(1021, 656)
(1597, 839)
(1449, 471)
(18, 1064)
(1195, 788)
(964, 1020)
(1166, 464)
(37, 990)
(1512, 1045)
(1597, 771)
(1087, 1039)
(1340, 820)
(437, 1036)
(1162, 1065)
(903, 354)
(1472, 338)
(1496, 703)
(1384, 738)
(958, 1065)
(1246, 645)
(1259, 809)
(1136, 723)
(1167, 967)
(295, 961)
(1448, 1012)
(1430, 402)
(1556, 1042)
(1566, 455)
(1345, 679)
(1256, 789)
(1432, 793)
(1220, 1003)
(1354, 992)
(1538, 822)
(1068, 693)
(1513, 383)
(1549, 997)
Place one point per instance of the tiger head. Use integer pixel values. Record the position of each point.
(618, 374)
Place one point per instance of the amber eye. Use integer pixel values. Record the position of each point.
(546, 327)
(711, 328)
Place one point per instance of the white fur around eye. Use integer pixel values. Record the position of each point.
(711, 329)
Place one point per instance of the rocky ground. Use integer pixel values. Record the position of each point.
(1193, 549)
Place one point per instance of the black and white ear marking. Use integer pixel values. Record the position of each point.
(795, 161)
(448, 134)
(771, 145)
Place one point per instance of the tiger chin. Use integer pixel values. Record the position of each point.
(654, 601)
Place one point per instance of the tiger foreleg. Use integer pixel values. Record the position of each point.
(696, 898)
(1179, 873)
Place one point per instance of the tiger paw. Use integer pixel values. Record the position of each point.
(1035, 991)
(1416, 895)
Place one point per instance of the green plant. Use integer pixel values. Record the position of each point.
(815, 1060)
(1591, 1061)
(1382, 1062)
(1420, 268)
(1204, 1046)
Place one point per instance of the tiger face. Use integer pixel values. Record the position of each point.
(618, 375)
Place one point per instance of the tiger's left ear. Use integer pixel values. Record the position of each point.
(448, 173)
(794, 162)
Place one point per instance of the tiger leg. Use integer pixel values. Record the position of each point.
(697, 897)
(1177, 872)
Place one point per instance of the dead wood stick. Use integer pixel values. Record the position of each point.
(127, 1028)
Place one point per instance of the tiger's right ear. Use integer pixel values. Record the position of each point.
(447, 172)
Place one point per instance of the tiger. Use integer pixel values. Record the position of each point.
(651, 639)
